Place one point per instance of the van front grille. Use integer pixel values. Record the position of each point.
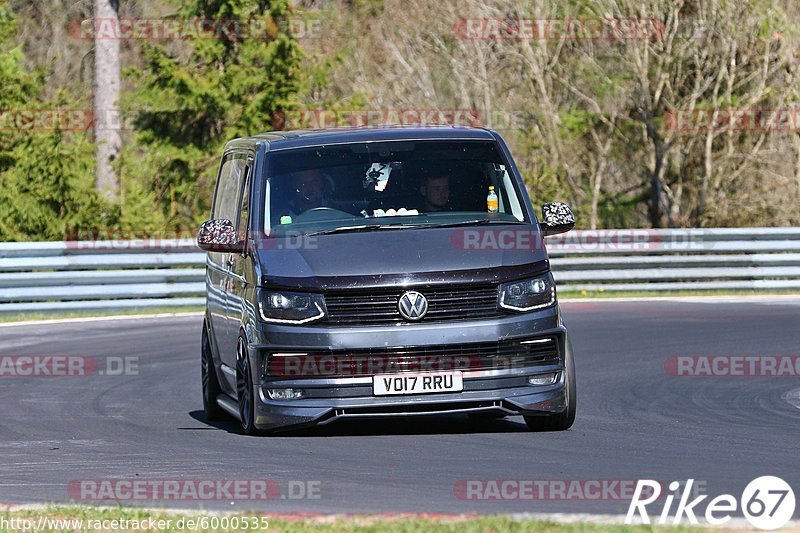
(380, 307)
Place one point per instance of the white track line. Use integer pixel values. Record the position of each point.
(750, 298)
(99, 319)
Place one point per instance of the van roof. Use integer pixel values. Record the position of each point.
(283, 140)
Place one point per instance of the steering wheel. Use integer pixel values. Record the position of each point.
(322, 213)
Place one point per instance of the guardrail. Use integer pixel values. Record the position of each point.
(109, 275)
(677, 260)
(40, 277)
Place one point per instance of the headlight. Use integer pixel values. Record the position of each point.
(529, 294)
(291, 307)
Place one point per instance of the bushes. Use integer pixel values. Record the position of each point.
(46, 177)
(48, 193)
(186, 104)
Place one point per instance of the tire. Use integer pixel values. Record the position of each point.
(245, 391)
(209, 380)
(559, 421)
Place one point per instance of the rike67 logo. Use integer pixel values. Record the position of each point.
(767, 503)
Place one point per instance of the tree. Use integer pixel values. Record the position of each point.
(190, 99)
(106, 97)
(600, 135)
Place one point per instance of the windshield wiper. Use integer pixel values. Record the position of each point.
(378, 227)
(478, 222)
(361, 227)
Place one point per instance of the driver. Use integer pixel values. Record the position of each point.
(307, 191)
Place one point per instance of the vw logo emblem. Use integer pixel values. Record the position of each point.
(412, 305)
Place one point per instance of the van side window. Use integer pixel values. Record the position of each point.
(226, 203)
(244, 213)
(222, 180)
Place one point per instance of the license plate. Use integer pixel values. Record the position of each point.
(427, 383)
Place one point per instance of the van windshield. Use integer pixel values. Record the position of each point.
(388, 185)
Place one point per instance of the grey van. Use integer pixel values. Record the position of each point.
(380, 272)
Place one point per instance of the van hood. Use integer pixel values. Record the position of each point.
(402, 257)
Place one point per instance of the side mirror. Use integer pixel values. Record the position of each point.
(556, 218)
(219, 235)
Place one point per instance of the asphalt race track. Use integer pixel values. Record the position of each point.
(635, 420)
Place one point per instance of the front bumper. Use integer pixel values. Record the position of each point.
(503, 391)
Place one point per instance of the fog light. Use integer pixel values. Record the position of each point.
(543, 379)
(284, 394)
